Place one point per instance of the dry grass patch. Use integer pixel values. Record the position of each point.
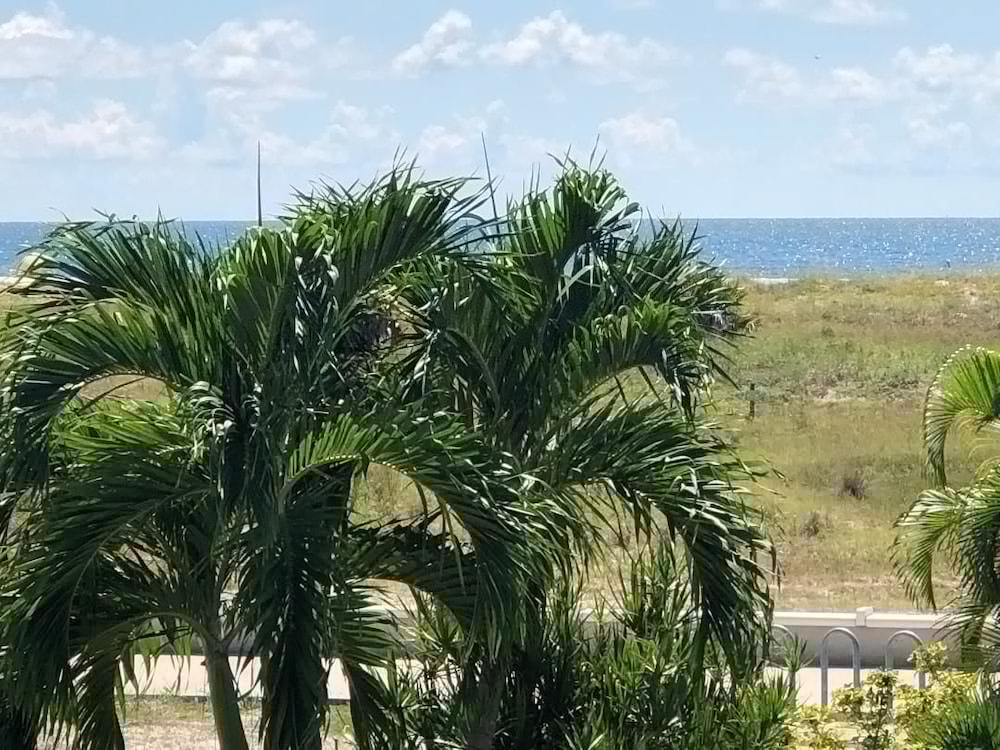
(165, 723)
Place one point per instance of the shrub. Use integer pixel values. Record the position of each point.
(814, 524)
(854, 485)
(869, 708)
(815, 728)
(917, 711)
(884, 715)
(970, 725)
(16, 731)
(639, 680)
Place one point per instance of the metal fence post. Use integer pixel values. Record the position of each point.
(917, 641)
(824, 662)
(788, 636)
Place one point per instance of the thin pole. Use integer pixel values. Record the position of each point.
(260, 213)
(489, 177)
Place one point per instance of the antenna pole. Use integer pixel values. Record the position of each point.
(489, 177)
(260, 213)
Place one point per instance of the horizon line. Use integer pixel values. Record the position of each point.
(683, 218)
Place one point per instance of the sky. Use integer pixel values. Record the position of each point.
(714, 108)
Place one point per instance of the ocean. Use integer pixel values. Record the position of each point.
(774, 248)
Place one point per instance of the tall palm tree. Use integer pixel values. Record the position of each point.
(136, 519)
(584, 360)
(504, 389)
(959, 524)
(590, 370)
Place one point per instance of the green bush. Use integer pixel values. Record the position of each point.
(917, 711)
(885, 715)
(16, 732)
(970, 725)
(869, 709)
(641, 679)
(815, 728)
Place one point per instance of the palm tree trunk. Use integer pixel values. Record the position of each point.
(225, 702)
(489, 697)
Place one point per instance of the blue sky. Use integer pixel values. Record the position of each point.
(709, 108)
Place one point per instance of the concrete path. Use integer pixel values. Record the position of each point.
(187, 679)
(809, 681)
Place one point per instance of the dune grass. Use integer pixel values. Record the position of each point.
(871, 338)
(840, 369)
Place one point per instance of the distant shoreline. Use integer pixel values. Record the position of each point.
(767, 251)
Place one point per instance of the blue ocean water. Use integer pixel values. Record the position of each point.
(760, 247)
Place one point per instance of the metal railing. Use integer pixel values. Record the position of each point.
(785, 633)
(917, 643)
(824, 661)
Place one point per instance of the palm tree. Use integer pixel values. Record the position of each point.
(959, 524)
(590, 370)
(136, 520)
(584, 359)
(529, 375)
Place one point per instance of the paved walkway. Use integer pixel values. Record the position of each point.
(187, 678)
(809, 681)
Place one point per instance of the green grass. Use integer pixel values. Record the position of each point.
(878, 338)
(841, 369)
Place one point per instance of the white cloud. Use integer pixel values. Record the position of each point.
(856, 13)
(768, 79)
(765, 77)
(521, 150)
(938, 67)
(268, 60)
(840, 12)
(45, 46)
(607, 55)
(851, 148)
(436, 140)
(928, 133)
(349, 122)
(347, 130)
(108, 131)
(554, 39)
(351, 133)
(456, 144)
(854, 84)
(643, 132)
(944, 105)
(445, 43)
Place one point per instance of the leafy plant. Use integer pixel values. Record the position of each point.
(869, 708)
(583, 361)
(969, 725)
(815, 728)
(885, 715)
(917, 710)
(958, 523)
(386, 325)
(16, 729)
(135, 518)
(635, 679)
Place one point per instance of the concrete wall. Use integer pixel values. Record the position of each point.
(872, 629)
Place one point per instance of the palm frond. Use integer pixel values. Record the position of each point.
(966, 390)
(931, 526)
